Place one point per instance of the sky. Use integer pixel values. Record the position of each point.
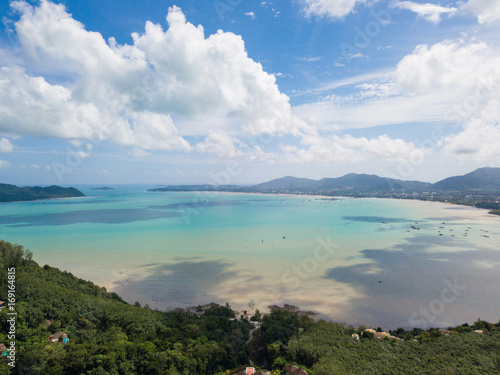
(241, 92)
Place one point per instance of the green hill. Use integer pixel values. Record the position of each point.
(287, 182)
(107, 335)
(482, 179)
(11, 193)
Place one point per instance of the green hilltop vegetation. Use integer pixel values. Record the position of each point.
(108, 336)
(11, 193)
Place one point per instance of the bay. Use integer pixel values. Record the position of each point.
(378, 262)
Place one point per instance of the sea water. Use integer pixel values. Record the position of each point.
(378, 262)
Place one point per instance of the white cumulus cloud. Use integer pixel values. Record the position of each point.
(447, 65)
(6, 146)
(486, 11)
(220, 144)
(129, 94)
(337, 149)
(334, 9)
(453, 83)
(430, 12)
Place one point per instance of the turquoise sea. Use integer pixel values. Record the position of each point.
(357, 261)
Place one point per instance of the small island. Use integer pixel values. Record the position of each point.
(12, 193)
(103, 188)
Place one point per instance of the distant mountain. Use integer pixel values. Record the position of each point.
(103, 188)
(287, 182)
(349, 182)
(482, 179)
(11, 193)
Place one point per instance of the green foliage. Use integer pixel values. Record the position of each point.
(13, 256)
(257, 317)
(11, 193)
(327, 348)
(107, 335)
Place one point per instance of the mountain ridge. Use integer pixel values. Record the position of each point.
(483, 179)
(480, 188)
(12, 193)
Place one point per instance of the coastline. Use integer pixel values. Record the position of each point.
(48, 199)
(291, 195)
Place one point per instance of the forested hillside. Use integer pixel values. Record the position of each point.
(106, 335)
(11, 193)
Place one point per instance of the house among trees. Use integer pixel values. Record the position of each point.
(3, 351)
(2, 305)
(251, 371)
(292, 369)
(381, 335)
(59, 337)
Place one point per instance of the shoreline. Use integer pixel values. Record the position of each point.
(325, 196)
(43, 199)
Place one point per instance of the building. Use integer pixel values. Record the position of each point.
(2, 305)
(381, 335)
(292, 369)
(251, 371)
(59, 336)
(3, 351)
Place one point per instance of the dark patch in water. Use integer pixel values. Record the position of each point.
(197, 205)
(376, 219)
(413, 277)
(86, 200)
(115, 216)
(177, 285)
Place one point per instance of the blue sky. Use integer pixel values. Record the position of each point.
(246, 91)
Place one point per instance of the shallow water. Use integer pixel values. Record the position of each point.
(352, 260)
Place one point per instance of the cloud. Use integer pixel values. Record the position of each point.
(486, 11)
(468, 76)
(5, 164)
(309, 59)
(336, 149)
(334, 9)
(480, 136)
(213, 76)
(453, 83)
(251, 15)
(446, 65)
(129, 94)
(5, 146)
(225, 146)
(220, 144)
(428, 11)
